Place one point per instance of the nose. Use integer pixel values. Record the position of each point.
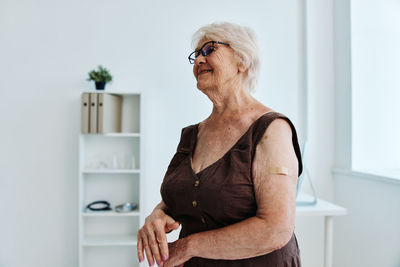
(200, 60)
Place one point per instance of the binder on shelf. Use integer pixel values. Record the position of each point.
(85, 113)
(109, 113)
(93, 113)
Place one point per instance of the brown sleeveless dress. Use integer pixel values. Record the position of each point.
(222, 194)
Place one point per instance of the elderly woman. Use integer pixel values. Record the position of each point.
(232, 182)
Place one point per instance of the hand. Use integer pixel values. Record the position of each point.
(152, 237)
(178, 253)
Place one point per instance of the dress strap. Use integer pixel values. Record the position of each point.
(187, 140)
(261, 126)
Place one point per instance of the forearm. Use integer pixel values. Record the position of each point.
(249, 238)
(161, 207)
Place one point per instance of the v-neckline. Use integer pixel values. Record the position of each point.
(196, 131)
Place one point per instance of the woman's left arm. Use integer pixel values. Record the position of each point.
(275, 170)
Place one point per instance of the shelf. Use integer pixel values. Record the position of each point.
(116, 92)
(110, 240)
(109, 214)
(110, 171)
(114, 134)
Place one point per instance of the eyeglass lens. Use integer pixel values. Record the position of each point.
(205, 50)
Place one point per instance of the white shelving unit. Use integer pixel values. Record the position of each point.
(109, 169)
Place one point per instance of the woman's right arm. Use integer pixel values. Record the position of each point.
(152, 236)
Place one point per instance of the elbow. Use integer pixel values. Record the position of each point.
(276, 235)
(277, 240)
(282, 238)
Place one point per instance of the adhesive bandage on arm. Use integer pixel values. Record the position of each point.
(278, 170)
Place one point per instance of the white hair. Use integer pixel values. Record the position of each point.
(242, 40)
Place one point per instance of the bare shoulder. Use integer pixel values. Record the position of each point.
(275, 149)
(278, 130)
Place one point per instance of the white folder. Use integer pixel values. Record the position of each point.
(85, 113)
(93, 113)
(109, 113)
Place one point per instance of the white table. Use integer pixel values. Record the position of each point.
(328, 210)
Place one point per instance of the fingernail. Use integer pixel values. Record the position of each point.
(158, 263)
(164, 257)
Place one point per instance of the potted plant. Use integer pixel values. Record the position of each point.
(101, 76)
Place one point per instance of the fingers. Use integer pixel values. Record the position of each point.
(143, 244)
(146, 242)
(163, 243)
(172, 226)
(140, 248)
(149, 255)
(175, 225)
(153, 243)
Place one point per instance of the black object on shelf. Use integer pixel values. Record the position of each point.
(99, 205)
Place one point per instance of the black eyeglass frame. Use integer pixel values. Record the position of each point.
(203, 53)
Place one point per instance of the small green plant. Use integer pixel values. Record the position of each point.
(101, 75)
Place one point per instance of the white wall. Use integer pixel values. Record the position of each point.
(369, 235)
(47, 48)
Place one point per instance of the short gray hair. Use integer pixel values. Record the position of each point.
(242, 40)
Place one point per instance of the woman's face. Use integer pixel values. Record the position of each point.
(216, 71)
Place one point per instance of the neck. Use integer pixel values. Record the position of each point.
(231, 103)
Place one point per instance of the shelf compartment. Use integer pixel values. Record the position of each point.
(130, 110)
(110, 240)
(114, 188)
(106, 256)
(100, 152)
(110, 230)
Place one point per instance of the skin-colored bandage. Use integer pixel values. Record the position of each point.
(278, 170)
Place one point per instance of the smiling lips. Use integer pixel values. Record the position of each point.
(203, 71)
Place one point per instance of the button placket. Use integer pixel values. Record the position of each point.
(195, 189)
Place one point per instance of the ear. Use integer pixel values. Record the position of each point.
(241, 67)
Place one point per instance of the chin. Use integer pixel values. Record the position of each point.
(203, 86)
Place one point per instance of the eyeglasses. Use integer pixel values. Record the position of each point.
(205, 50)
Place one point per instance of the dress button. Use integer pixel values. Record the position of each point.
(194, 203)
(203, 220)
(196, 184)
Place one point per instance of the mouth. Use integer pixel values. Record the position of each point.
(203, 72)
